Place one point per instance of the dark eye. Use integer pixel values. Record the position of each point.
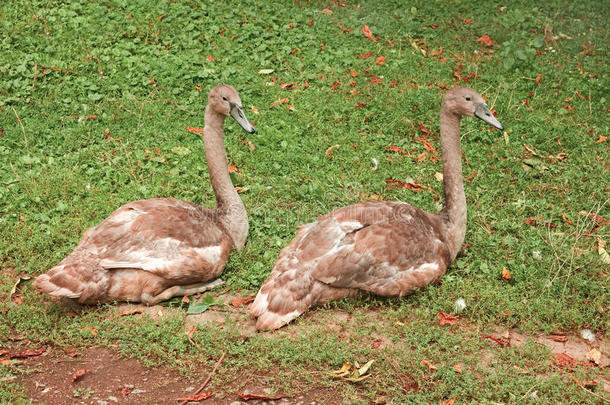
(467, 98)
(224, 98)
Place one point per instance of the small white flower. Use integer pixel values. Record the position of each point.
(375, 163)
(459, 305)
(587, 334)
(269, 187)
(536, 255)
(534, 395)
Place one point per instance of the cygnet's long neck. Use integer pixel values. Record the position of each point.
(454, 200)
(229, 206)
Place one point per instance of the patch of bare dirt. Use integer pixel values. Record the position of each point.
(99, 376)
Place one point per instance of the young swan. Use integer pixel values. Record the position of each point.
(387, 248)
(152, 250)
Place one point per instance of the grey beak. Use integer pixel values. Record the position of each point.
(482, 112)
(237, 112)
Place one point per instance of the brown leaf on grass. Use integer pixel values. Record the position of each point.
(288, 86)
(598, 219)
(380, 61)
(376, 344)
(280, 101)
(346, 30)
(409, 186)
(131, 312)
(4, 351)
(533, 221)
(428, 364)
(423, 129)
(395, 148)
(375, 79)
(327, 11)
(367, 32)
(446, 319)
(563, 360)
(500, 341)
(602, 139)
(458, 368)
(185, 300)
(438, 176)
(211, 58)
(561, 339)
(468, 21)
(197, 397)
(126, 391)
(195, 130)
(365, 55)
(505, 274)
(359, 105)
(28, 353)
(393, 83)
(247, 397)
(450, 401)
(242, 301)
(254, 110)
(233, 169)
(335, 85)
(485, 40)
(329, 151)
(78, 374)
(594, 355)
(537, 81)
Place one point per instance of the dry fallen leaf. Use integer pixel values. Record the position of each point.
(327, 11)
(438, 176)
(498, 340)
(195, 130)
(395, 148)
(247, 397)
(485, 40)
(505, 274)
(131, 312)
(561, 339)
(446, 319)
(595, 356)
(367, 32)
(126, 391)
(602, 139)
(563, 360)
(428, 364)
(243, 301)
(329, 151)
(197, 397)
(458, 368)
(450, 401)
(78, 374)
(28, 353)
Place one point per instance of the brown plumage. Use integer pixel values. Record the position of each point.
(387, 248)
(152, 250)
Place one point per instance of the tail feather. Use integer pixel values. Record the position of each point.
(78, 278)
(285, 295)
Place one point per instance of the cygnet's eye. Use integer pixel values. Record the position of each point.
(467, 98)
(224, 98)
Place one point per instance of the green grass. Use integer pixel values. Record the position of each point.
(60, 175)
